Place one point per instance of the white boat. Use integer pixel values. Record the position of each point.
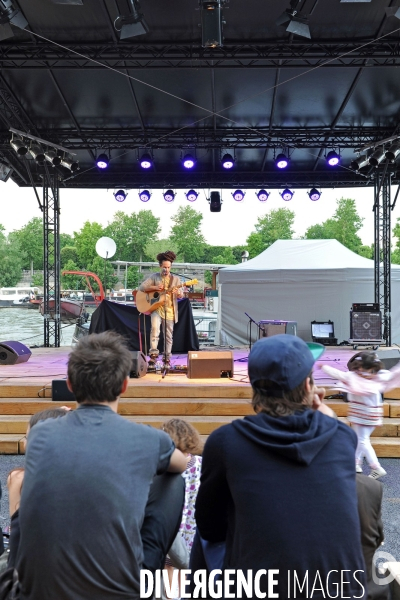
(14, 296)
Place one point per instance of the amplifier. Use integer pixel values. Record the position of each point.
(213, 365)
(371, 307)
(269, 328)
(365, 326)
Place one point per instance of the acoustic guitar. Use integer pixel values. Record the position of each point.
(148, 302)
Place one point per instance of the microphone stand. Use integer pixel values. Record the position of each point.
(165, 370)
(251, 320)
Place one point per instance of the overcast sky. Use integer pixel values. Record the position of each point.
(229, 227)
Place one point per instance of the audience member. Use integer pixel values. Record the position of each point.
(279, 486)
(86, 485)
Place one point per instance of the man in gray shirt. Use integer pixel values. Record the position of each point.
(86, 486)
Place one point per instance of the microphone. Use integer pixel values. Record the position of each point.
(164, 271)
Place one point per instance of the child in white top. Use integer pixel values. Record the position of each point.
(364, 383)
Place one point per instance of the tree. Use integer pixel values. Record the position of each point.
(396, 252)
(68, 253)
(133, 277)
(105, 272)
(277, 225)
(226, 258)
(132, 233)
(71, 282)
(154, 248)
(10, 261)
(30, 243)
(85, 243)
(186, 234)
(343, 227)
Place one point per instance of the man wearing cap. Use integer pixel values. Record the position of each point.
(279, 486)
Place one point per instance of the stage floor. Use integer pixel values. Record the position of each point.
(47, 364)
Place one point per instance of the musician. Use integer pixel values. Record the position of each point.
(158, 282)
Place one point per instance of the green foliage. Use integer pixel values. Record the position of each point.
(10, 261)
(85, 243)
(66, 240)
(186, 234)
(366, 251)
(226, 258)
(68, 253)
(208, 277)
(276, 225)
(396, 252)
(157, 246)
(132, 233)
(105, 272)
(133, 277)
(30, 242)
(343, 227)
(71, 282)
(38, 280)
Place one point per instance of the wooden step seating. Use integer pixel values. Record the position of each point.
(206, 414)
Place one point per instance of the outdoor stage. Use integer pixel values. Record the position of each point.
(207, 403)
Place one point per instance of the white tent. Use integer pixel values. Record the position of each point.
(299, 280)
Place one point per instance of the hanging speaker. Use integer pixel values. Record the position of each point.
(139, 364)
(365, 326)
(13, 353)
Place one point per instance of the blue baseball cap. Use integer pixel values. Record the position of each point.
(284, 360)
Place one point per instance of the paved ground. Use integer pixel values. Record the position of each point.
(390, 509)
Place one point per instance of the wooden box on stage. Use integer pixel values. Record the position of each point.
(210, 365)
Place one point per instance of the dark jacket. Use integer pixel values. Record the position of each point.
(282, 492)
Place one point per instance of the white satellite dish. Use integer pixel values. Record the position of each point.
(106, 247)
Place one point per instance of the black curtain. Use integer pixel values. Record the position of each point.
(127, 321)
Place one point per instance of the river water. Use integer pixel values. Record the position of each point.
(26, 326)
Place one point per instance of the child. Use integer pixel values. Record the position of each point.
(364, 383)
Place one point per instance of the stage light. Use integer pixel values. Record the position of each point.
(132, 25)
(191, 195)
(144, 195)
(215, 202)
(211, 23)
(332, 158)
(281, 161)
(10, 14)
(287, 194)
(5, 171)
(169, 196)
(359, 162)
(52, 157)
(188, 161)
(69, 163)
(37, 153)
(293, 21)
(393, 151)
(146, 161)
(262, 195)
(314, 194)
(238, 195)
(377, 157)
(18, 145)
(102, 161)
(227, 161)
(120, 195)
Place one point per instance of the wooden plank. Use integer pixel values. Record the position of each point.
(389, 428)
(204, 425)
(394, 409)
(386, 447)
(393, 394)
(9, 444)
(13, 424)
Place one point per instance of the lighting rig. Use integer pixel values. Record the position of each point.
(212, 23)
(42, 150)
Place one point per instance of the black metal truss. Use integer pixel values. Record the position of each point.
(229, 137)
(382, 249)
(239, 54)
(51, 267)
(126, 178)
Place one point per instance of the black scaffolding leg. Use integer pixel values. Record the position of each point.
(51, 266)
(382, 250)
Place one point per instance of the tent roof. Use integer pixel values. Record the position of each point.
(304, 255)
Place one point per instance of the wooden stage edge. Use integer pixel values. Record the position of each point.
(207, 403)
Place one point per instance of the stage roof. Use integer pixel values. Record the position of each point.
(68, 79)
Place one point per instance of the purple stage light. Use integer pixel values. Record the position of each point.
(146, 161)
(120, 195)
(332, 158)
(188, 161)
(144, 195)
(102, 161)
(238, 195)
(281, 161)
(287, 195)
(314, 194)
(191, 195)
(169, 196)
(227, 161)
(263, 195)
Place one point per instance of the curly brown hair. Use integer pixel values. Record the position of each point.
(167, 255)
(369, 361)
(185, 437)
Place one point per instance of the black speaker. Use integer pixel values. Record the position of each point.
(365, 326)
(139, 364)
(60, 391)
(13, 353)
(366, 307)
